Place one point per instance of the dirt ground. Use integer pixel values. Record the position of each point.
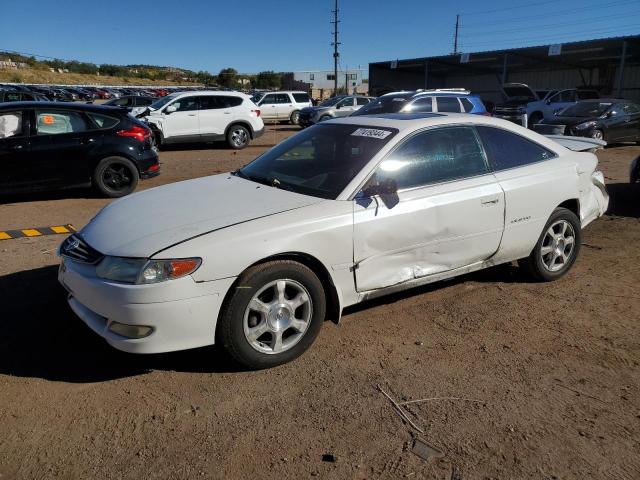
(525, 380)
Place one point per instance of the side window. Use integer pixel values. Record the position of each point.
(269, 99)
(301, 97)
(210, 102)
(362, 101)
(510, 150)
(283, 98)
(58, 122)
(186, 104)
(11, 124)
(467, 106)
(630, 108)
(424, 104)
(346, 102)
(103, 121)
(434, 156)
(448, 104)
(122, 102)
(568, 96)
(12, 97)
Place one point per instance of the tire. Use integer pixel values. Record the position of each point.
(238, 137)
(250, 335)
(535, 117)
(115, 177)
(294, 119)
(549, 266)
(324, 117)
(597, 134)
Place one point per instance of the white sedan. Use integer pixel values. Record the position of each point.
(345, 211)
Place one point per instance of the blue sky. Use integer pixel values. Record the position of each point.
(286, 35)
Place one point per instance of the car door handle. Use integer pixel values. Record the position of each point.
(191, 115)
(490, 201)
(227, 113)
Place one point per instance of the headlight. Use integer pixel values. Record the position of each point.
(141, 271)
(585, 125)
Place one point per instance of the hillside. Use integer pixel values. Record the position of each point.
(28, 75)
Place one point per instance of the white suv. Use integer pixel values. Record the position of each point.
(282, 105)
(205, 116)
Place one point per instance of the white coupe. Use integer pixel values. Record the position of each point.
(342, 212)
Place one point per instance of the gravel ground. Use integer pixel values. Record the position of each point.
(524, 380)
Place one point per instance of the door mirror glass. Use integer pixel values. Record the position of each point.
(170, 109)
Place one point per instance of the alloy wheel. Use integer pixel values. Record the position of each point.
(278, 316)
(117, 177)
(558, 245)
(239, 137)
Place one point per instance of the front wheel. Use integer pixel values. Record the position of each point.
(274, 314)
(115, 177)
(556, 249)
(238, 137)
(597, 134)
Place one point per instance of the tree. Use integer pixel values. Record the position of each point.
(228, 78)
(268, 80)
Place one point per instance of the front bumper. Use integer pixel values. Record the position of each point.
(182, 313)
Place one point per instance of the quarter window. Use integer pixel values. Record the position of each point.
(58, 122)
(362, 100)
(434, 156)
(467, 106)
(448, 104)
(212, 102)
(509, 150)
(10, 124)
(103, 121)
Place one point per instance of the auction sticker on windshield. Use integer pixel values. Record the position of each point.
(371, 132)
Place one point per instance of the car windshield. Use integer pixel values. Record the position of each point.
(586, 109)
(386, 104)
(330, 101)
(319, 161)
(158, 104)
(257, 97)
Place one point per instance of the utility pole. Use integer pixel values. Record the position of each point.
(335, 44)
(455, 37)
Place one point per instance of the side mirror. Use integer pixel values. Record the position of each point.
(548, 102)
(170, 109)
(386, 187)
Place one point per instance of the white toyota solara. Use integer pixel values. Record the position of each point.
(344, 211)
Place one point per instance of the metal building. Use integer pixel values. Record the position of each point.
(609, 65)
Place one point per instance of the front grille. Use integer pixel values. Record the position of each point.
(77, 249)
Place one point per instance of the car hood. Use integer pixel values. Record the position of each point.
(560, 120)
(145, 223)
(315, 109)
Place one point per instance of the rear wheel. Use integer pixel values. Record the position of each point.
(295, 118)
(274, 314)
(115, 177)
(557, 248)
(238, 137)
(597, 134)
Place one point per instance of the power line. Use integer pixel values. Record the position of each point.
(483, 12)
(556, 12)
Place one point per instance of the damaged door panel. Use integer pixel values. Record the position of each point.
(430, 230)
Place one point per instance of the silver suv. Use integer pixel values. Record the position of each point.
(340, 106)
(281, 106)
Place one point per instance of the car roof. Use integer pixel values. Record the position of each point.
(226, 93)
(87, 107)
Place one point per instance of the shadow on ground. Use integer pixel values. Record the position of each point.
(86, 193)
(624, 199)
(42, 338)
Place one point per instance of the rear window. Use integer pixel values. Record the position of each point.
(466, 105)
(103, 121)
(301, 97)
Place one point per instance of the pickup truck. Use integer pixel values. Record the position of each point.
(527, 106)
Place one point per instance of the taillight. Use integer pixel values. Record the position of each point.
(257, 112)
(139, 133)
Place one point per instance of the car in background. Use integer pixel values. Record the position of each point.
(204, 116)
(11, 95)
(345, 211)
(47, 145)
(282, 105)
(334, 107)
(527, 106)
(135, 104)
(611, 120)
(453, 100)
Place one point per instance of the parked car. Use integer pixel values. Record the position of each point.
(344, 211)
(282, 105)
(526, 106)
(612, 120)
(334, 107)
(10, 95)
(134, 104)
(47, 145)
(453, 100)
(205, 116)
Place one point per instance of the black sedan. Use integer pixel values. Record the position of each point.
(612, 120)
(49, 145)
